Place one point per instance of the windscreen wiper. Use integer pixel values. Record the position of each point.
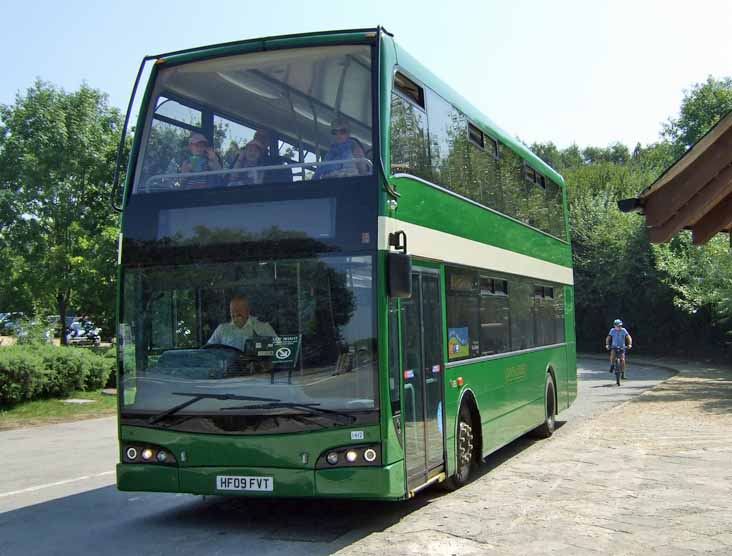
(197, 397)
(312, 407)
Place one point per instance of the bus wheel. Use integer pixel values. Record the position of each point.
(546, 429)
(465, 451)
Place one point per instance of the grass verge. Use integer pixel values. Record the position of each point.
(44, 412)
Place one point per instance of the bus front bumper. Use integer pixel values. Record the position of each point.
(352, 482)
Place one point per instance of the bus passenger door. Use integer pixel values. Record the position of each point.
(423, 381)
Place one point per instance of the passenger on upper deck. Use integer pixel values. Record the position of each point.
(257, 154)
(265, 137)
(251, 156)
(345, 148)
(201, 158)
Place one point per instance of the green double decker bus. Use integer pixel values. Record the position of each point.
(337, 277)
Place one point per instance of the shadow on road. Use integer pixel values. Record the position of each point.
(114, 523)
(105, 521)
(711, 388)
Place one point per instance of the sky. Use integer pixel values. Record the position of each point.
(567, 71)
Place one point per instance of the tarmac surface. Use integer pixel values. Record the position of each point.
(645, 468)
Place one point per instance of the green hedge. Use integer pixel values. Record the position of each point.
(40, 371)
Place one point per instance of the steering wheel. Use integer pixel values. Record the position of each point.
(221, 346)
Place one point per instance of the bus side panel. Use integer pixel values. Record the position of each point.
(452, 395)
(392, 450)
(569, 322)
(510, 392)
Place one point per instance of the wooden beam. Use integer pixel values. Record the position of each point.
(700, 204)
(719, 218)
(660, 205)
(689, 157)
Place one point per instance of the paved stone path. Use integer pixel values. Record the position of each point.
(650, 476)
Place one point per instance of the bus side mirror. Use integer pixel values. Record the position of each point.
(399, 267)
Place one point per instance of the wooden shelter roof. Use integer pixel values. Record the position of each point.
(695, 192)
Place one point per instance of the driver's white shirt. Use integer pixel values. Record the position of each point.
(231, 335)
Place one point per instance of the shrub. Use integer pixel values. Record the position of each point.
(101, 370)
(21, 375)
(30, 372)
(66, 370)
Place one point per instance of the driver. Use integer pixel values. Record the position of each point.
(242, 326)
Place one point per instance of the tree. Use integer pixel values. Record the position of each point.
(57, 153)
(702, 107)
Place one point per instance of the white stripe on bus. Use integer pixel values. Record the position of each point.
(441, 246)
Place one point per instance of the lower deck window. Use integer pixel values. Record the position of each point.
(497, 313)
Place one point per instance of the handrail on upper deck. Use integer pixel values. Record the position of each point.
(223, 171)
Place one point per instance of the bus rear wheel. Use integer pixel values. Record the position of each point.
(465, 448)
(546, 429)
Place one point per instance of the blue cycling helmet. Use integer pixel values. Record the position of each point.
(617, 322)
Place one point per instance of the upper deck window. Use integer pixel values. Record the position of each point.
(476, 136)
(269, 117)
(409, 89)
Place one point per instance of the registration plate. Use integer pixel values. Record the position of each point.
(251, 484)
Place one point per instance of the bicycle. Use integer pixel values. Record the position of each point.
(617, 365)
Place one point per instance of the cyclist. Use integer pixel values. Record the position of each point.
(618, 337)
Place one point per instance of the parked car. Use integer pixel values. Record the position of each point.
(9, 323)
(27, 331)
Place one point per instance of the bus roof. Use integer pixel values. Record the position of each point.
(265, 43)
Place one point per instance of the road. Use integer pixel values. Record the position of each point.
(57, 494)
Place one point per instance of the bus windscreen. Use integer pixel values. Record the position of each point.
(262, 118)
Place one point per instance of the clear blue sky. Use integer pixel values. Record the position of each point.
(590, 72)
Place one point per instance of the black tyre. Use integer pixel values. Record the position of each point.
(617, 374)
(546, 429)
(465, 451)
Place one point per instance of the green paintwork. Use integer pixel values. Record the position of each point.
(569, 324)
(386, 482)
(380, 483)
(151, 478)
(428, 206)
(279, 456)
(509, 390)
(265, 450)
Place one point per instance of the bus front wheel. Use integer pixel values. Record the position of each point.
(465, 448)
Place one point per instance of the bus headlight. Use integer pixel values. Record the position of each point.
(350, 456)
(147, 455)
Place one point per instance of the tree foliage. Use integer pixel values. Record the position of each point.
(702, 107)
(58, 235)
(57, 153)
(663, 293)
